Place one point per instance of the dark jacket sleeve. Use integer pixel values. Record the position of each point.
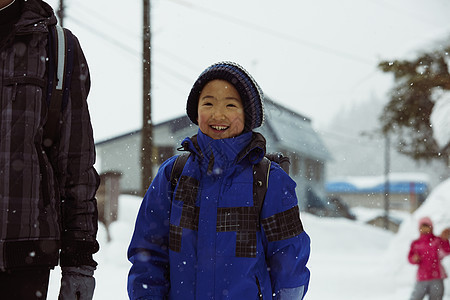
(149, 248)
(77, 178)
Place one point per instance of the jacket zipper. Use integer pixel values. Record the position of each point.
(260, 295)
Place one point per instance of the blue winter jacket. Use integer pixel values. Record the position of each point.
(210, 241)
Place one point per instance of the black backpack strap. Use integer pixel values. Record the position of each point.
(261, 172)
(280, 159)
(260, 182)
(60, 65)
(177, 169)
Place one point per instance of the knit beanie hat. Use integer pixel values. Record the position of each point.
(425, 221)
(250, 92)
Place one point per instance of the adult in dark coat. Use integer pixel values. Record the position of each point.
(48, 210)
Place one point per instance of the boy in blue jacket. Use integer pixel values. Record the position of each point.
(207, 238)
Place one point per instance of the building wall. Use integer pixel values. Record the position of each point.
(403, 202)
(122, 155)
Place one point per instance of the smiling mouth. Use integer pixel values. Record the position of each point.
(219, 128)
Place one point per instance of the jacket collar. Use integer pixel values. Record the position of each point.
(36, 16)
(222, 153)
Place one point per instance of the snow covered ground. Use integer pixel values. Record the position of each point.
(349, 260)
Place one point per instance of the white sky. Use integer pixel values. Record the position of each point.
(315, 57)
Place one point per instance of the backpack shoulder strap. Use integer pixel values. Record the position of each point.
(280, 159)
(60, 66)
(260, 182)
(177, 169)
(260, 177)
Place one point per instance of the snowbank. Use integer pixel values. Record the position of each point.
(349, 260)
(437, 207)
(440, 119)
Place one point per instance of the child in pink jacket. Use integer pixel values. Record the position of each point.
(427, 252)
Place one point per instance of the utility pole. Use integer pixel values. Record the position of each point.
(386, 180)
(60, 13)
(146, 132)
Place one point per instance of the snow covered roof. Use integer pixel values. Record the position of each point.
(440, 120)
(399, 183)
(293, 131)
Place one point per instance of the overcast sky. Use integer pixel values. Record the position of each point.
(315, 57)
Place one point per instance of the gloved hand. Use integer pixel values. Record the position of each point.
(77, 283)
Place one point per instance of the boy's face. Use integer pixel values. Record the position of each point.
(220, 110)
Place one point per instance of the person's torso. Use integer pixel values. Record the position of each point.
(216, 247)
(28, 207)
(428, 247)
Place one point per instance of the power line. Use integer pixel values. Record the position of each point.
(136, 54)
(107, 38)
(175, 73)
(417, 17)
(362, 141)
(122, 45)
(365, 78)
(81, 9)
(180, 60)
(277, 34)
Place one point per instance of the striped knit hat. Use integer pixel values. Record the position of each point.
(250, 92)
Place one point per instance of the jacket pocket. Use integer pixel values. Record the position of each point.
(23, 97)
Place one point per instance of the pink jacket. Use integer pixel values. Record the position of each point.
(430, 249)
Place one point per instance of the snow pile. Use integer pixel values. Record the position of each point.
(364, 214)
(349, 260)
(112, 271)
(437, 207)
(440, 119)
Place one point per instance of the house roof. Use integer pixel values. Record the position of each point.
(293, 131)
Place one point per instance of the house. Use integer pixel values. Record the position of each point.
(378, 217)
(285, 131)
(406, 191)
